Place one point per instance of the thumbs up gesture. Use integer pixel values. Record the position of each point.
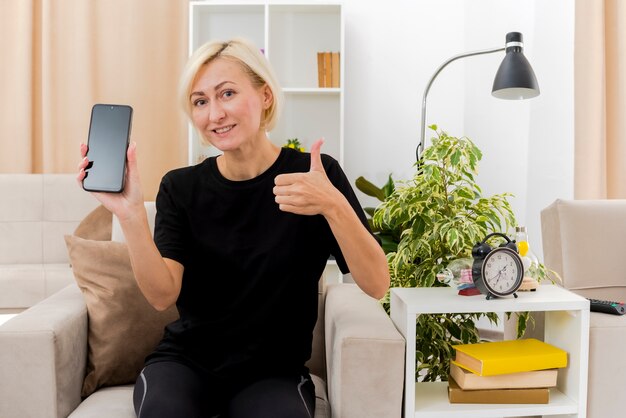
(308, 193)
(316, 156)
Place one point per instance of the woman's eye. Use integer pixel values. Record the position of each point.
(228, 93)
(199, 102)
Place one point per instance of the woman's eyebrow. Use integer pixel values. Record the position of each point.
(217, 87)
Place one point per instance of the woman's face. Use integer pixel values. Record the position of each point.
(226, 107)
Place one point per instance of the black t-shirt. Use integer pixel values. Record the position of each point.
(248, 302)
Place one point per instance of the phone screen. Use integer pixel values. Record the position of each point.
(109, 133)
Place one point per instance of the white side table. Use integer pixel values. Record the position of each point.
(566, 326)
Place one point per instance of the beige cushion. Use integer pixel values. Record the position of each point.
(96, 225)
(123, 326)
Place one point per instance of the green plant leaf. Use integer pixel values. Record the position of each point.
(427, 222)
(369, 189)
(389, 243)
(389, 187)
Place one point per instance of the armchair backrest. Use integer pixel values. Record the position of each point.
(317, 362)
(36, 210)
(585, 242)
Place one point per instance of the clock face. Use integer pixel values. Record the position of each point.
(502, 271)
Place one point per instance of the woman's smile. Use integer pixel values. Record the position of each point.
(223, 130)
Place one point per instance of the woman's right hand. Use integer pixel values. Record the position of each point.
(124, 205)
(158, 278)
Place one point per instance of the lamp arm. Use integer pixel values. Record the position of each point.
(420, 146)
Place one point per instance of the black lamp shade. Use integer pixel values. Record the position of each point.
(515, 78)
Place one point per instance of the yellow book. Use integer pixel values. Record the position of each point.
(509, 356)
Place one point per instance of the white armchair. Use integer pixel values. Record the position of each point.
(357, 362)
(583, 241)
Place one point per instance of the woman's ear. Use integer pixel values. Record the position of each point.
(268, 96)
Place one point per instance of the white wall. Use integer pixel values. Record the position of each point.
(394, 47)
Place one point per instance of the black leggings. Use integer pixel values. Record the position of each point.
(169, 389)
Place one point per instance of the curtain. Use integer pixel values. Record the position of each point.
(59, 57)
(600, 99)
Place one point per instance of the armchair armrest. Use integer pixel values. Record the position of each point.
(43, 355)
(364, 355)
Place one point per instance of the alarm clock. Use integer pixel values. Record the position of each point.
(497, 272)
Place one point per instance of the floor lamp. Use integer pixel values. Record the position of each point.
(514, 80)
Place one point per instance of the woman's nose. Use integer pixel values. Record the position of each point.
(216, 111)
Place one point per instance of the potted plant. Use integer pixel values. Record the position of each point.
(433, 220)
(389, 238)
(294, 143)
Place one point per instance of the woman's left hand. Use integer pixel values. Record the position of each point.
(309, 193)
(312, 193)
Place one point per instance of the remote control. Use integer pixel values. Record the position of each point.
(607, 306)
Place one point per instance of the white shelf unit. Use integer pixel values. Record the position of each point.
(566, 326)
(290, 34)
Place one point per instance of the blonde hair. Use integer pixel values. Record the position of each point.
(252, 61)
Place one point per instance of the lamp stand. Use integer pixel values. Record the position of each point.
(420, 146)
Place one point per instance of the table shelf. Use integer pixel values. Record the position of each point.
(431, 400)
(566, 326)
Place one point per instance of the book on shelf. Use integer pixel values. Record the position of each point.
(497, 396)
(509, 356)
(328, 69)
(534, 379)
(334, 63)
(321, 77)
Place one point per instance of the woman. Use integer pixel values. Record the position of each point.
(239, 245)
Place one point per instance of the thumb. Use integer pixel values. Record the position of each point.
(131, 158)
(131, 154)
(316, 158)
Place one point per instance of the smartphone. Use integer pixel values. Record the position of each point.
(109, 134)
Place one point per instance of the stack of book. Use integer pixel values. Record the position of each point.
(505, 372)
(328, 69)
